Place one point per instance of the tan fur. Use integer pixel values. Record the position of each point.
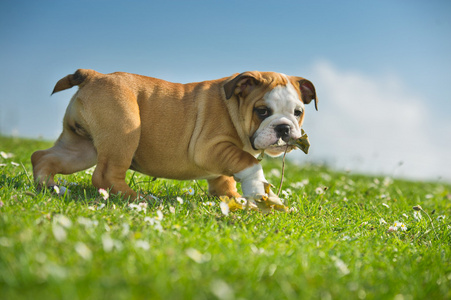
(123, 121)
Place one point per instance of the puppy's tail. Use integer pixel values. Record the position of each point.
(79, 77)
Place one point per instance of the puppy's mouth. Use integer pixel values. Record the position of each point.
(283, 145)
(279, 145)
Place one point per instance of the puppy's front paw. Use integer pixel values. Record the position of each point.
(256, 189)
(269, 200)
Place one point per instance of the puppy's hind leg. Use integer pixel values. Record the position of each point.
(223, 186)
(116, 143)
(71, 153)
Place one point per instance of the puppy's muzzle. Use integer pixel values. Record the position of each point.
(283, 131)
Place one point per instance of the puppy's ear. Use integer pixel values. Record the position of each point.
(241, 85)
(308, 92)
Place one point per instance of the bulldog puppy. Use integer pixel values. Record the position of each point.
(209, 130)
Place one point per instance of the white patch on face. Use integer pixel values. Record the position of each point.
(283, 101)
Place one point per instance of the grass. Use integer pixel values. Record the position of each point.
(337, 245)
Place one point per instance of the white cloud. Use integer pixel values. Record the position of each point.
(372, 124)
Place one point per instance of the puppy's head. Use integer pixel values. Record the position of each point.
(271, 106)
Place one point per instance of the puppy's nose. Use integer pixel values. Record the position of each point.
(283, 131)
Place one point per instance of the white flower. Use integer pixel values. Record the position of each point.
(340, 265)
(172, 209)
(107, 242)
(392, 228)
(208, 203)
(104, 194)
(58, 232)
(156, 221)
(400, 226)
(15, 164)
(63, 220)
(197, 256)
(56, 189)
(319, 190)
(142, 244)
(326, 177)
(300, 184)
(126, 229)
(441, 218)
(403, 227)
(287, 193)
(60, 190)
(386, 205)
(275, 173)
(417, 215)
(224, 208)
(190, 191)
(223, 291)
(60, 222)
(83, 250)
(180, 200)
(138, 207)
(382, 221)
(6, 155)
(150, 220)
(293, 210)
(387, 181)
(88, 223)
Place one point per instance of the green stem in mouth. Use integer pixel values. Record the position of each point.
(283, 171)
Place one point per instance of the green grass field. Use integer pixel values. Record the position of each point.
(339, 243)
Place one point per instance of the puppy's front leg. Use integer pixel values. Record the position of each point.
(252, 181)
(229, 160)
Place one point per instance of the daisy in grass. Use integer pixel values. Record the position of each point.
(104, 194)
(190, 191)
(397, 226)
(138, 207)
(402, 226)
(417, 215)
(224, 208)
(441, 218)
(6, 155)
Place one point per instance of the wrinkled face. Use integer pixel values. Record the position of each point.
(280, 114)
(271, 106)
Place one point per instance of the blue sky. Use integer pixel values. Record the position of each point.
(381, 68)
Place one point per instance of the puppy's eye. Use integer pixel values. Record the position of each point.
(262, 112)
(297, 112)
